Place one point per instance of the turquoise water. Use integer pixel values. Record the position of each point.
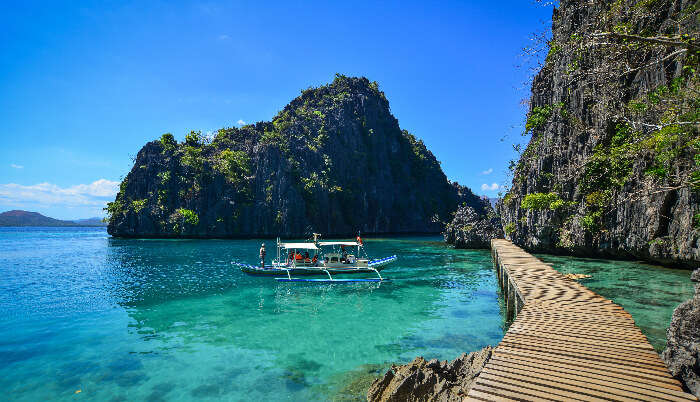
(649, 292)
(174, 320)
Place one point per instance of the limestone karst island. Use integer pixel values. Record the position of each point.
(273, 201)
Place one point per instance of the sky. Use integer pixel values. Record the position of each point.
(85, 84)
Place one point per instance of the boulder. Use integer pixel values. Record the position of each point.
(469, 229)
(429, 381)
(683, 341)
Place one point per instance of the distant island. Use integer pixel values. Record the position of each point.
(26, 218)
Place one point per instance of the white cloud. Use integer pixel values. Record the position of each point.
(96, 193)
(224, 37)
(492, 187)
(487, 171)
(14, 166)
(240, 122)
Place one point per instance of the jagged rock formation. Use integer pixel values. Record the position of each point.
(430, 381)
(612, 167)
(470, 229)
(333, 161)
(682, 353)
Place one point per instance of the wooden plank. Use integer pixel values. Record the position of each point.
(492, 392)
(476, 394)
(526, 393)
(605, 380)
(632, 354)
(568, 343)
(554, 389)
(593, 332)
(592, 355)
(593, 389)
(660, 378)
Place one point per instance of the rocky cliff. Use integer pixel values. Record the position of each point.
(473, 229)
(613, 167)
(682, 353)
(333, 161)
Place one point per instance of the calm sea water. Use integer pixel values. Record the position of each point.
(175, 320)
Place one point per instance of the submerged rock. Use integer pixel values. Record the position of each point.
(682, 353)
(469, 229)
(428, 381)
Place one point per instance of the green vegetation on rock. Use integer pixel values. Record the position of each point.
(188, 216)
(541, 201)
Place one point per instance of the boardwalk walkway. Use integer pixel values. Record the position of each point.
(567, 342)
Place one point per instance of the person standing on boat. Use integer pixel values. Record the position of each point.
(262, 255)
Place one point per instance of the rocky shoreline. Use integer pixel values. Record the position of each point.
(430, 381)
(682, 353)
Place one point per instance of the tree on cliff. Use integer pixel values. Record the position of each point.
(614, 121)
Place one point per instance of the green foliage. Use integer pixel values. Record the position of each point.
(162, 198)
(509, 228)
(696, 220)
(192, 157)
(623, 28)
(637, 106)
(541, 201)
(168, 141)
(610, 165)
(507, 199)
(417, 146)
(554, 49)
(224, 137)
(194, 139)
(235, 165)
(278, 218)
(538, 117)
(188, 215)
(590, 222)
(598, 198)
(138, 205)
(114, 208)
(646, 4)
(164, 176)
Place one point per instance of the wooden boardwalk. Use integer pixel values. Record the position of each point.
(567, 342)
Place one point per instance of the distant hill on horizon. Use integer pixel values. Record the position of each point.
(27, 218)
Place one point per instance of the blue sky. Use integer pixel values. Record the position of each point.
(83, 85)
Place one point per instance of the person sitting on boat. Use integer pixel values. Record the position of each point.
(315, 259)
(306, 257)
(299, 257)
(262, 255)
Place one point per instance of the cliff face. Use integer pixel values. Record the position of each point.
(472, 229)
(612, 167)
(333, 161)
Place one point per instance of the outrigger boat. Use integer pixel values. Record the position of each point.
(329, 258)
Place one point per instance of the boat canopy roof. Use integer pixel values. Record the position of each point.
(309, 246)
(339, 243)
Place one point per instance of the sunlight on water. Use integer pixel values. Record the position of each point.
(175, 320)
